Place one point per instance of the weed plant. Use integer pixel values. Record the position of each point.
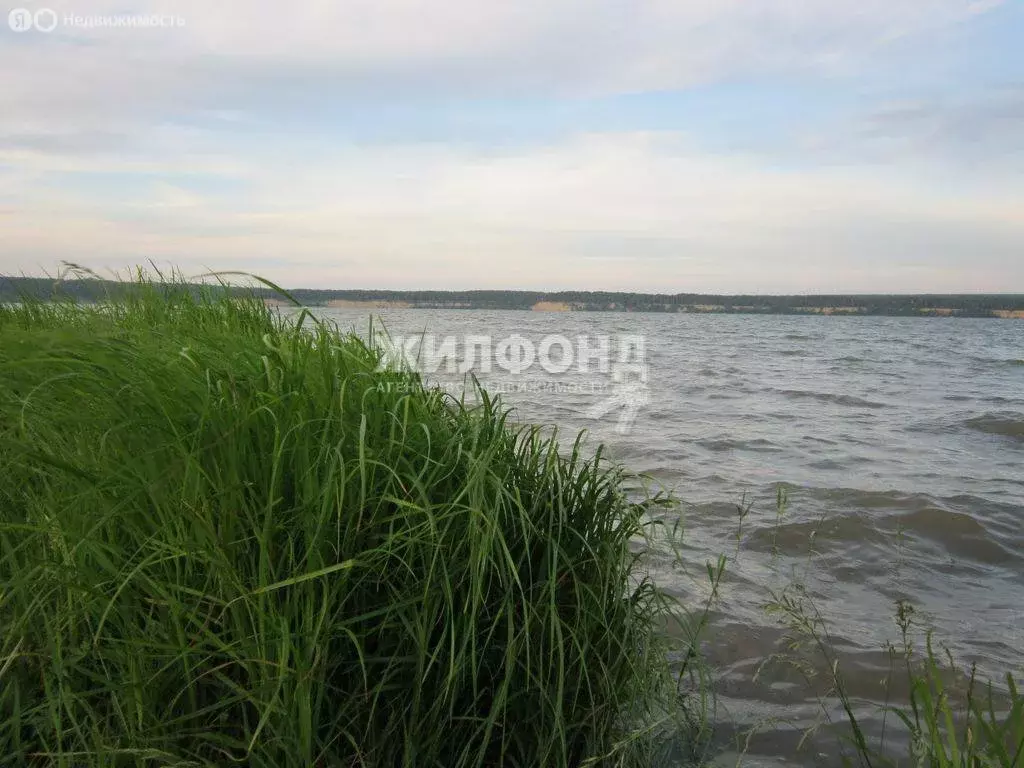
(231, 537)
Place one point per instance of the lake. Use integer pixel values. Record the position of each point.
(898, 443)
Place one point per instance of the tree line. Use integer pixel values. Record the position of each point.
(13, 289)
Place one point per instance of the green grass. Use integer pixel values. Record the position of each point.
(949, 719)
(979, 727)
(230, 538)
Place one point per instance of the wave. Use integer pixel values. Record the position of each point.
(958, 534)
(828, 464)
(1007, 424)
(852, 535)
(855, 498)
(727, 444)
(817, 438)
(994, 399)
(828, 397)
(868, 524)
(1009, 361)
(942, 522)
(1000, 400)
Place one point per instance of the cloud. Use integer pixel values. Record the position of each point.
(261, 56)
(215, 144)
(978, 7)
(634, 211)
(977, 133)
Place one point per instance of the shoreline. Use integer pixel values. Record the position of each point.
(688, 309)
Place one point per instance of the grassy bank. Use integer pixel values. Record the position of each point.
(229, 538)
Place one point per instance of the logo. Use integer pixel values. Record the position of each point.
(46, 20)
(621, 368)
(22, 20)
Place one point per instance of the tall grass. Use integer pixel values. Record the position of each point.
(231, 538)
(939, 725)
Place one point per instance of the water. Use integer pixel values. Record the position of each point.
(899, 443)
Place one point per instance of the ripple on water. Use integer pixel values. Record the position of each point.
(849, 401)
(841, 533)
(880, 425)
(1000, 400)
(733, 444)
(1005, 424)
(959, 535)
(964, 528)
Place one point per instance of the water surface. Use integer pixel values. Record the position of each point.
(899, 443)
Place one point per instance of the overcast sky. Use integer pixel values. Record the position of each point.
(655, 145)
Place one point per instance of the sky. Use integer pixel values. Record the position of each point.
(713, 146)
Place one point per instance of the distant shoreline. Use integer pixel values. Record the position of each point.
(1006, 306)
(704, 309)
